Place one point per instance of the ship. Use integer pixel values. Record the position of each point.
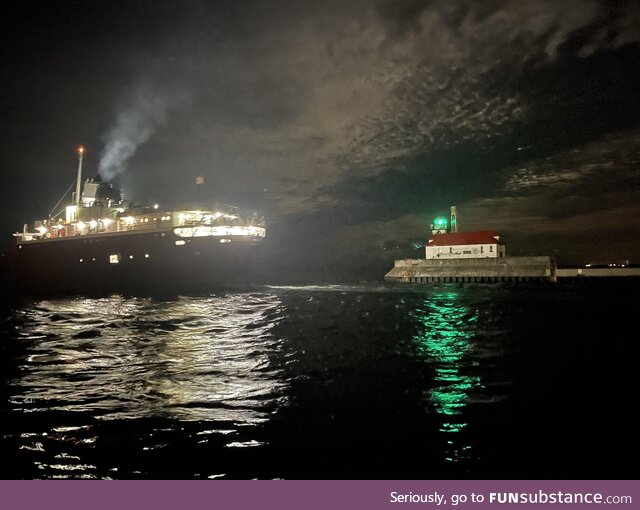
(101, 243)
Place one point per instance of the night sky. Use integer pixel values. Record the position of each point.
(349, 124)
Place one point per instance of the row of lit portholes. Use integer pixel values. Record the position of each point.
(114, 259)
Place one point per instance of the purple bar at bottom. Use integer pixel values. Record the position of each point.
(318, 495)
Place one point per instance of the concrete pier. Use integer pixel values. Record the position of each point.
(598, 274)
(502, 269)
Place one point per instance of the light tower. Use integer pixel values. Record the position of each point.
(80, 151)
(454, 218)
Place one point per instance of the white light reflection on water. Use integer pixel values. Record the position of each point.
(190, 359)
(204, 360)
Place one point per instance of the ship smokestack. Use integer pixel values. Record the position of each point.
(79, 178)
(454, 218)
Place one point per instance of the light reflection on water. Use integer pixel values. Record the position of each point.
(204, 359)
(318, 382)
(446, 337)
(187, 360)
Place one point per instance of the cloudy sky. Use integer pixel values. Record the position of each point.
(350, 124)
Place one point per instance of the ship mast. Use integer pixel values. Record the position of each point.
(79, 179)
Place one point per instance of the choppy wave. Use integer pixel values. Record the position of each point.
(325, 381)
(191, 359)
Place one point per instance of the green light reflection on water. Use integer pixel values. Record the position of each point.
(445, 338)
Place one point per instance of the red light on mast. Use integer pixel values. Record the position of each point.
(80, 150)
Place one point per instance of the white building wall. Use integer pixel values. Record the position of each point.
(466, 251)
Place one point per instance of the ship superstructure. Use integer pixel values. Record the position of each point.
(100, 241)
(185, 221)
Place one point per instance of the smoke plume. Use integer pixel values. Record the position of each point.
(136, 122)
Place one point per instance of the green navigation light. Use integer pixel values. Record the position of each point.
(441, 222)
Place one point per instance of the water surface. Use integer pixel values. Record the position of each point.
(329, 382)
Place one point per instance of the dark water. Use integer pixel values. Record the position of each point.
(328, 382)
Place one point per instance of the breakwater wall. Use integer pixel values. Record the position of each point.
(502, 269)
(598, 274)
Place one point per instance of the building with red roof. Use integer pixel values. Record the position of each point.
(466, 245)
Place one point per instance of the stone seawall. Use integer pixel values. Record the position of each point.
(473, 270)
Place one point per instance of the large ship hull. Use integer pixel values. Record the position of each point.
(157, 261)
